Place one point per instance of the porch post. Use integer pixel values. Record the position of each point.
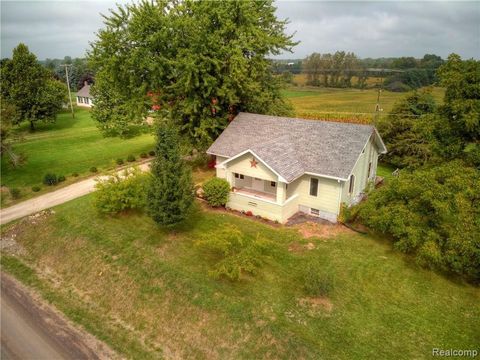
(281, 192)
(229, 177)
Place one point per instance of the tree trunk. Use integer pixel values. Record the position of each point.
(32, 126)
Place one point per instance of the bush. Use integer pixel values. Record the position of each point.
(93, 169)
(36, 188)
(234, 252)
(119, 161)
(61, 178)
(75, 174)
(317, 280)
(151, 153)
(432, 214)
(143, 155)
(15, 193)
(121, 192)
(216, 191)
(130, 158)
(50, 179)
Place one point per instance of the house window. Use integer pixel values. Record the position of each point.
(352, 184)
(273, 183)
(242, 177)
(80, 99)
(236, 175)
(315, 212)
(313, 187)
(369, 170)
(85, 99)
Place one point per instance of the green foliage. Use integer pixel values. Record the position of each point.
(144, 62)
(131, 158)
(120, 192)
(170, 194)
(143, 155)
(9, 116)
(50, 179)
(119, 161)
(433, 214)
(408, 132)
(459, 133)
(75, 174)
(36, 188)
(317, 279)
(235, 252)
(61, 178)
(31, 88)
(93, 169)
(216, 191)
(15, 193)
(151, 153)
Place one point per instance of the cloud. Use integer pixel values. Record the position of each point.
(53, 29)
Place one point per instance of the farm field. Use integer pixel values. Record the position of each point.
(66, 147)
(311, 102)
(145, 290)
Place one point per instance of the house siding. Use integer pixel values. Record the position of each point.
(360, 172)
(242, 165)
(220, 172)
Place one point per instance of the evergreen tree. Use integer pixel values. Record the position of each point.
(170, 195)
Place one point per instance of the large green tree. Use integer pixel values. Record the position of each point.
(202, 61)
(170, 194)
(407, 131)
(31, 88)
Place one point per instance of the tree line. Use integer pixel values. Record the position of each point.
(339, 68)
(79, 71)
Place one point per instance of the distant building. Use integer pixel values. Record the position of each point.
(83, 96)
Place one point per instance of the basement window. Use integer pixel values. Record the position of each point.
(314, 212)
(273, 183)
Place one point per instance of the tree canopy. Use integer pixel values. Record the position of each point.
(201, 61)
(31, 88)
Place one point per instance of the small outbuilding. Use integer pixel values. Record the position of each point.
(83, 96)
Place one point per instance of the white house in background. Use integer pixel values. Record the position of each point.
(279, 166)
(83, 96)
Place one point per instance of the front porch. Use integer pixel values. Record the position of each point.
(263, 197)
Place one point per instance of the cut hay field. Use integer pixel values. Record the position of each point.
(146, 291)
(331, 103)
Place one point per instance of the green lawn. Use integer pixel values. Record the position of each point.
(146, 292)
(68, 146)
(310, 101)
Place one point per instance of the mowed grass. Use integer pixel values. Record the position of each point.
(310, 101)
(68, 146)
(146, 292)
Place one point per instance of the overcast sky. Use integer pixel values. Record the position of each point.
(53, 29)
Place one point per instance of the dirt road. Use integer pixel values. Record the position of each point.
(30, 329)
(51, 199)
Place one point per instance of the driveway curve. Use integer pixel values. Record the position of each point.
(54, 198)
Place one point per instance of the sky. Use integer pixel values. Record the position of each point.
(54, 29)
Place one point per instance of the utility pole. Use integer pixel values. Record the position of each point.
(68, 86)
(377, 106)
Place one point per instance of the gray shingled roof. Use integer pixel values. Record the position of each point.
(84, 91)
(293, 147)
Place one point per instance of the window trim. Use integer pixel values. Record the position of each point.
(313, 187)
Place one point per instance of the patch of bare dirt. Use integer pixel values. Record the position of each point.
(8, 243)
(316, 304)
(312, 229)
(300, 248)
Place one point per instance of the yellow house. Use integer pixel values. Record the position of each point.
(279, 166)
